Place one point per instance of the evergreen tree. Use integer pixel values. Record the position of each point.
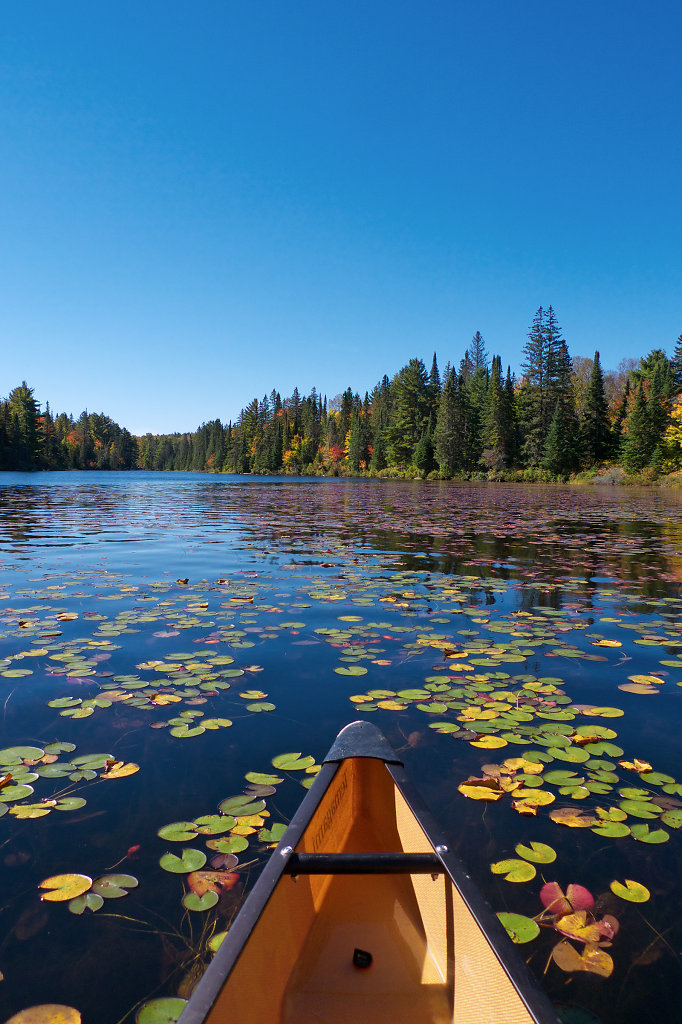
(676, 367)
(495, 433)
(410, 412)
(637, 448)
(477, 353)
(596, 431)
(555, 455)
(423, 454)
(434, 387)
(447, 441)
(619, 422)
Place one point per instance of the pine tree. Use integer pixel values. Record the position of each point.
(410, 412)
(533, 393)
(637, 448)
(447, 441)
(619, 422)
(676, 367)
(495, 434)
(596, 432)
(477, 353)
(555, 454)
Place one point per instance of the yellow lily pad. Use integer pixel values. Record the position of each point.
(64, 887)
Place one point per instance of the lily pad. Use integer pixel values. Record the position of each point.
(514, 870)
(193, 902)
(189, 860)
(112, 887)
(520, 929)
(160, 1011)
(539, 853)
(47, 1013)
(633, 892)
(64, 887)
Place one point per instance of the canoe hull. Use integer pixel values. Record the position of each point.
(438, 954)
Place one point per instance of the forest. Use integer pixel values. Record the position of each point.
(560, 417)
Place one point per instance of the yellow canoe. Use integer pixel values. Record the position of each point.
(363, 916)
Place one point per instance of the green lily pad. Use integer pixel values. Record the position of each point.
(112, 887)
(644, 835)
(292, 762)
(673, 818)
(350, 670)
(193, 902)
(214, 824)
(69, 803)
(633, 892)
(231, 844)
(14, 755)
(11, 793)
(260, 779)
(640, 808)
(239, 807)
(539, 853)
(178, 831)
(88, 901)
(519, 928)
(189, 860)
(161, 1011)
(612, 829)
(272, 835)
(514, 870)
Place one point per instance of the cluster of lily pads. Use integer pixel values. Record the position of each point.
(585, 935)
(239, 819)
(22, 767)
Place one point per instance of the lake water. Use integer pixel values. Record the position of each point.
(198, 626)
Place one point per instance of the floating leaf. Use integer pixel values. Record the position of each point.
(573, 817)
(201, 882)
(556, 901)
(292, 762)
(88, 901)
(643, 834)
(514, 870)
(114, 886)
(64, 887)
(161, 1011)
(193, 902)
(178, 831)
(47, 1013)
(539, 853)
(633, 892)
(272, 835)
(591, 959)
(120, 770)
(350, 670)
(189, 860)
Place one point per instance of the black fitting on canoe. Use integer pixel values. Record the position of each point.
(364, 864)
(362, 739)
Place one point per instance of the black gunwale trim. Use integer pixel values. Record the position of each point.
(536, 1000)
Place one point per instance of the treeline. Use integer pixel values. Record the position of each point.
(474, 419)
(31, 439)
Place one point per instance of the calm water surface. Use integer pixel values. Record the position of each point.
(134, 607)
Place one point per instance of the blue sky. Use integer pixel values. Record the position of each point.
(202, 201)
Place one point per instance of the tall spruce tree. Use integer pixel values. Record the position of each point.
(596, 430)
(447, 439)
(637, 448)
